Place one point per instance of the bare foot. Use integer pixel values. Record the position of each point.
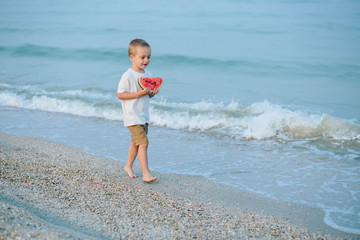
(130, 172)
(149, 179)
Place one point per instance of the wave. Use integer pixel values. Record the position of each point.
(29, 50)
(257, 121)
(245, 66)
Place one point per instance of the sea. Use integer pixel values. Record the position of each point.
(260, 95)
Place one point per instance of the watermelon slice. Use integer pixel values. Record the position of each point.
(152, 83)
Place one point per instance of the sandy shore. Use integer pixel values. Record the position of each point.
(53, 191)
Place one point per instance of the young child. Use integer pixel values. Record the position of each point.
(135, 105)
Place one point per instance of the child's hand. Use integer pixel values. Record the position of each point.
(148, 91)
(153, 93)
(143, 92)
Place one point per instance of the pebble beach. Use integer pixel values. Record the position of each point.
(53, 191)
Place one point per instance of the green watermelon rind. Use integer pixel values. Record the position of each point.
(140, 83)
(142, 87)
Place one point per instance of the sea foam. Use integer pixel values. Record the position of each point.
(256, 121)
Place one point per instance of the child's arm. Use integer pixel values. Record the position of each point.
(129, 96)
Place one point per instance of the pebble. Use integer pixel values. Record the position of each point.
(90, 194)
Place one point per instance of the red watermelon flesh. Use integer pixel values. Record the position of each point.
(152, 83)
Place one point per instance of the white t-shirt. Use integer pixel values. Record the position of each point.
(136, 111)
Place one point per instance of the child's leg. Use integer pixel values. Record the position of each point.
(142, 155)
(139, 145)
(133, 150)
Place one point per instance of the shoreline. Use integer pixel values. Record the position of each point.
(50, 189)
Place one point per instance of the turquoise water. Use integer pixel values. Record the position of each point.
(261, 96)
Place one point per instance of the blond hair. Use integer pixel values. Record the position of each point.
(137, 43)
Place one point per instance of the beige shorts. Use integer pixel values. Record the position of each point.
(139, 134)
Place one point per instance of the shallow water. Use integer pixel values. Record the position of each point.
(263, 97)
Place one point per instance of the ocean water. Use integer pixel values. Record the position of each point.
(261, 96)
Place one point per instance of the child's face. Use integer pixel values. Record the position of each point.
(141, 58)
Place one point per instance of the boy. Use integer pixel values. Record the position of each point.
(135, 105)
